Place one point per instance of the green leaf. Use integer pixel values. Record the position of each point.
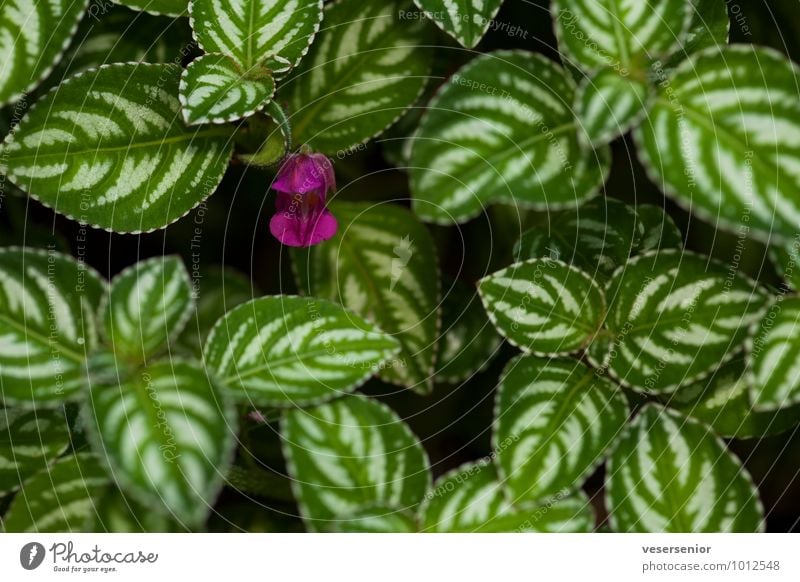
(120, 162)
(349, 455)
(721, 139)
(60, 499)
(608, 104)
(267, 138)
(471, 499)
(674, 317)
(251, 31)
(669, 473)
(158, 7)
(465, 20)
(378, 519)
(292, 351)
(115, 512)
(382, 265)
(214, 90)
(34, 35)
(502, 129)
(787, 262)
(555, 420)
(544, 306)
(365, 69)
(30, 441)
(625, 35)
(47, 325)
(167, 434)
(772, 354)
(147, 307)
(658, 228)
(710, 27)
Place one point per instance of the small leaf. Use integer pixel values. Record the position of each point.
(158, 7)
(292, 351)
(669, 473)
(350, 455)
(674, 317)
(121, 162)
(147, 307)
(658, 228)
(214, 90)
(168, 436)
(465, 20)
(773, 358)
(268, 137)
(609, 104)
(555, 420)
(544, 306)
(502, 129)
(378, 519)
(710, 27)
(47, 325)
(787, 262)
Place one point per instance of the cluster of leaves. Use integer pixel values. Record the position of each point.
(637, 355)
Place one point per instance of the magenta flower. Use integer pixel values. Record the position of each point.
(303, 218)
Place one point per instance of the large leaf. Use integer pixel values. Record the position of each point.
(33, 35)
(165, 7)
(290, 351)
(502, 129)
(167, 434)
(382, 265)
(773, 356)
(673, 317)
(671, 474)
(554, 421)
(47, 325)
(544, 306)
(250, 31)
(465, 20)
(29, 442)
(349, 455)
(148, 305)
(60, 499)
(378, 519)
(471, 499)
(723, 139)
(365, 69)
(108, 149)
(115, 512)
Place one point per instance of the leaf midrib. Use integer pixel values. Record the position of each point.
(76, 357)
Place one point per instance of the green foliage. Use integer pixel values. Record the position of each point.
(773, 357)
(465, 20)
(608, 104)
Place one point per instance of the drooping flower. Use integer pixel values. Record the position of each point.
(303, 218)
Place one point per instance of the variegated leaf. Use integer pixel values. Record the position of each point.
(658, 228)
(673, 317)
(121, 161)
(115, 512)
(544, 306)
(669, 473)
(252, 31)
(47, 325)
(724, 141)
(378, 519)
(472, 499)
(787, 262)
(382, 265)
(147, 307)
(292, 351)
(465, 20)
(554, 422)
(168, 435)
(365, 69)
(349, 455)
(214, 89)
(60, 499)
(773, 357)
(33, 36)
(160, 7)
(502, 129)
(710, 27)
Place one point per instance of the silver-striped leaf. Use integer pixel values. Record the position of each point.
(658, 228)
(787, 262)
(33, 36)
(47, 325)
(382, 265)
(710, 27)
(118, 160)
(554, 422)
(147, 307)
(378, 519)
(168, 435)
(669, 473)
(60, 499)
(472, 499)
(724, 142)
(365, 69)
(349, 455)
(158, 7)
(294, 351)
(214, 89)
(673, 318)
(30, 441)
(465, 20)
(502, 129)
(544, 306)
(252, 31)
(773, 357)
